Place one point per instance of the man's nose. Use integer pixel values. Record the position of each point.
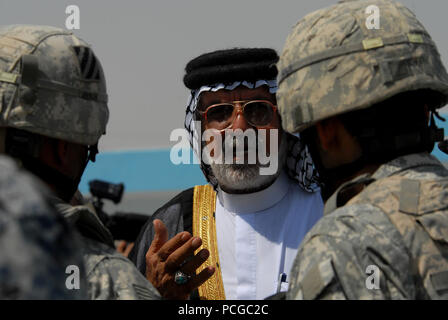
(240, 121)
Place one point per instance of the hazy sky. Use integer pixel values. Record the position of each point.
(144, 46)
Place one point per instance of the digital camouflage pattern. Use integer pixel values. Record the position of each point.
(398, 223)
(110, 275)
(36, 244)
(332, 63)
(51, 84)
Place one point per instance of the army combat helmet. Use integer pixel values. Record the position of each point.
(332, 63)
(51, 84)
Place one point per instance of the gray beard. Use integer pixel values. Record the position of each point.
(246, 178)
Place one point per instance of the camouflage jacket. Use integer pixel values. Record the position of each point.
(110, 275)
(36, 243)
(390, 241)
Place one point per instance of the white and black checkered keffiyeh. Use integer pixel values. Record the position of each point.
(299, 164)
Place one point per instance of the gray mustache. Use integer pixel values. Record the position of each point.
(242, 143)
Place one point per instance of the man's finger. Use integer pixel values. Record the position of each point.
(184, 252)
(191, 266)
(128, 249)
(203, 276)
(160, 236)
(173, 244)
(121, 246)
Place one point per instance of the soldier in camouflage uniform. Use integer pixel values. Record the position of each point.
(53, 104)
(36, 244)
(364, 100)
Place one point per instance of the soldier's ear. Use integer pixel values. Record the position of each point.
(426, 110)
(62, 152)
(326, 131)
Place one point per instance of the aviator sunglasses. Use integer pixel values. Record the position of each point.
(258, 113)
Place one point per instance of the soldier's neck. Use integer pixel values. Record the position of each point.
(348, 193)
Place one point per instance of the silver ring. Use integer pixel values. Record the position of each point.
(181, 278)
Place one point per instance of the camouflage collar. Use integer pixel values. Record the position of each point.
(85, 220)
(404, 163)
(332, 203)
(386, 170)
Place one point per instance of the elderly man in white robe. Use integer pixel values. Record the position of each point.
(237, 236)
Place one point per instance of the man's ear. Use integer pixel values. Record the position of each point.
(327, 133)
(62, 151)
(426, 110)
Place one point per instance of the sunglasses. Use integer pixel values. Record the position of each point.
(258, 113)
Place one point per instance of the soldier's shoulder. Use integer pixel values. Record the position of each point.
(338, 250)
(20, 190)
(98, 255)
(47, 244)
(343, 230)
(353, 232)
(25, 202)
(112, 276)
(348, 221)
(358, 224)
